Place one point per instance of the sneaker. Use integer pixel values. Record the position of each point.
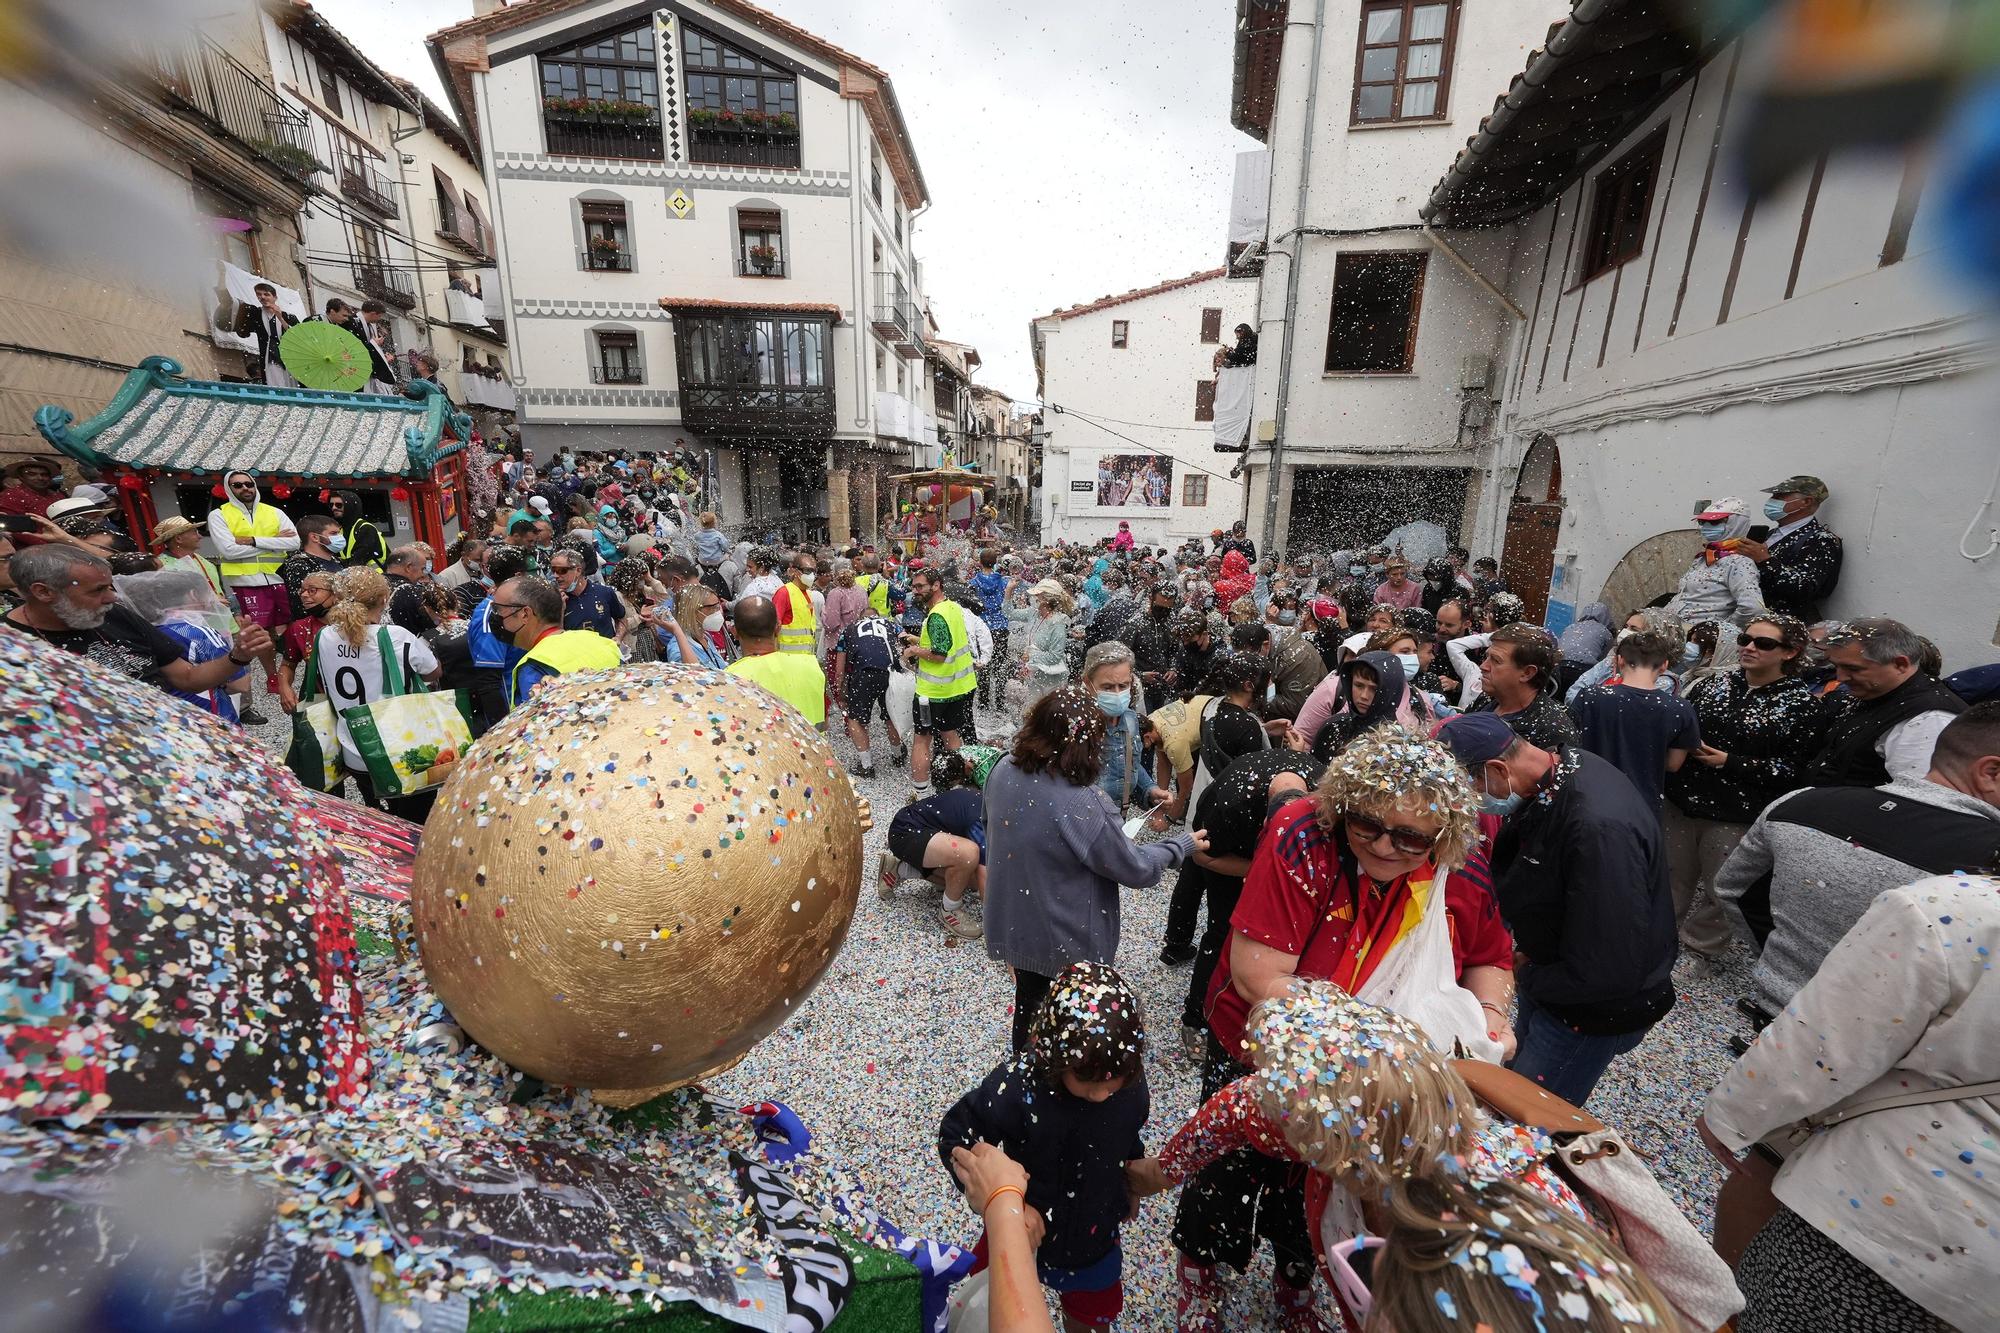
(899, 757)
(250, 717)
(888, 874)
(1194, 1043)
(1695, 966)
(1176, 954)
(959, 921)
(859, 769)
(1198, 1308)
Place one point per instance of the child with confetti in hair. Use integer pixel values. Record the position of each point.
(1069, 1106)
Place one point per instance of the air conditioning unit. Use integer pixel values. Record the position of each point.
(1474, 373)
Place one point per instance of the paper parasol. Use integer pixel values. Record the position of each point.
(322, 356)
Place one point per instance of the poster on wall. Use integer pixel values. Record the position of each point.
(1127, 480)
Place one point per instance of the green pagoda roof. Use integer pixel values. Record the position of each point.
(159, 420)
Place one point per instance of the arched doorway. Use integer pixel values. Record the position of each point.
(1534, 526)
(1650, 571)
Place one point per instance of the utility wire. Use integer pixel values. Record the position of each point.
(1192, 467)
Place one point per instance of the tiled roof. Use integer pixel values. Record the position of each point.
(1138, 294)
(437, 120)
(760, 307)
(297, 16)
(160, 421)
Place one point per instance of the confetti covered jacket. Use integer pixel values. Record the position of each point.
(1074, 1152)
(1770, 732)
(1908, 1001)
(1801, 570)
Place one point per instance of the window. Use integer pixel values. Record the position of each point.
(898, 211)
(753, 352)
(1404, 60)
(1119, 330)
(877, 242)
(617, 358)
(881, 368)
(607, 242)
(468, 356)
(1375, 302)
(1204, 400)
(601, 97)
(875, 177)
(760, 243)
(1194, 490)
(1211, 324)
(329, 86)
(742, 110)
(1619, 210)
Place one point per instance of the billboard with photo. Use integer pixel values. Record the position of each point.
(1144, 481)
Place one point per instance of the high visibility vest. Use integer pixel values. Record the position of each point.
(800, 634)
(955, 675)
(877, 589)
(560, 654)
(381, 557)
(246, 528)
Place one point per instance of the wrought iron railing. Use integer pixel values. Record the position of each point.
(577, 135)
(742, 148)
(460, 226)
(201, 78)
(362, 183)
(605, 261)
(749, 267)
(893, 315)
(615, 374)
(384, 283)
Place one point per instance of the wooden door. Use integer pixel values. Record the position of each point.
(1529, 557)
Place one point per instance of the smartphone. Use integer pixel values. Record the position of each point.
(1758, 532)
(17, 523)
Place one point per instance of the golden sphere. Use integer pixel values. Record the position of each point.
(629, 883)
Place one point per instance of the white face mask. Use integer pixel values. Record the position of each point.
(712, 623)
(808, 578)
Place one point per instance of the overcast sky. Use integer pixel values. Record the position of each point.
(1073, 148)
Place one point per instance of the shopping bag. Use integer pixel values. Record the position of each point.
(314, 754)
(901, 702)
(410, 737)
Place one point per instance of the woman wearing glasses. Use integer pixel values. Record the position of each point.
(688, 634)
(1350, 884)
(1760, 725)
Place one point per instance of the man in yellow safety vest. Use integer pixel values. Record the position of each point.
(795, 678)
(946, 677)
(870, 581)
(798, 626)
(252, 540)
(530, 612)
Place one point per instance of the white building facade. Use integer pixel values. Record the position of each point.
(1129, 387)
(1679, 341)
(706, 220)
(1380, 410)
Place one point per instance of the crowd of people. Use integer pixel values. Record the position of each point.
(1432, 867)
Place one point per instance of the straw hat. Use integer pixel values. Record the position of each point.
(170, 528)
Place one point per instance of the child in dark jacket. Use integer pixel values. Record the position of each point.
(1069, 1107)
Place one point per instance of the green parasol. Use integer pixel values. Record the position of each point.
(323, 356)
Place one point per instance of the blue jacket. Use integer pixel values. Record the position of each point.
(488, 649)
(991, 585)
(1124, 777)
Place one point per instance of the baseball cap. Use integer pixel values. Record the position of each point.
(1477, 738)
(90, 492)
(1729, 506)
(1802, 484)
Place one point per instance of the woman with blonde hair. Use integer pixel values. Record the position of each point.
(1045, 624)
(688, 634)
(351, 669)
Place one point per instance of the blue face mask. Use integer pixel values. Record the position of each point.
(1113, 702)
(1410, 667)
(1357, 570)
(1774, 509)
(1288, 617)
(1499, 805)
(1713, 531)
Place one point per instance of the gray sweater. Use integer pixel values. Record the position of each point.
(1055, 856)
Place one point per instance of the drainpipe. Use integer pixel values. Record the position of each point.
(1277, 472)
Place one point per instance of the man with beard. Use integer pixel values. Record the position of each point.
(67, 599)
(1154, 645)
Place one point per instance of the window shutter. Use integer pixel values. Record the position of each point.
(1204, 400)
(602, 210)
(1211, 325)
(479, 216)
(758, 219)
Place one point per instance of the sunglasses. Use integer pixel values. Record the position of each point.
(1347, 1280)
(1405, 840)
(1763, 643)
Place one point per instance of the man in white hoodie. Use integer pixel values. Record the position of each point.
(252, 540)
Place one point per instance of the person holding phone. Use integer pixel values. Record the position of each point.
(1797, 557)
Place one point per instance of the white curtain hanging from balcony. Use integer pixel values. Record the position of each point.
(1235, 394)
(1250, 197)
(241, 283)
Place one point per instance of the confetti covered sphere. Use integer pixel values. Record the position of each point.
(629, 883)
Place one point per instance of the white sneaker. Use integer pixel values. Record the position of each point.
(888, 874)
(959, 921)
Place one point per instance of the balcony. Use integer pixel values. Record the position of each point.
(386, 284)
(742, 139)
(604, 261)
(465, 310)
(594, 134)
(364, 185)
(759, 411)
(212, 86)
(894, 314)
(615, 374)
(460, 228)
(748, 267)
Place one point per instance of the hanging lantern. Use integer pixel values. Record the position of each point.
(132, 481)
(399, 494)
(217, 491)
(324, 496)
(280, 491)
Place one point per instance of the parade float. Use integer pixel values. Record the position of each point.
(269, 1060)
(164, 442)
